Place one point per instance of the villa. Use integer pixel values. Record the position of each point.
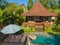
(31, 32)
(38, 16)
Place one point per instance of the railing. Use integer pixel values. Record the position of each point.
(37, 23)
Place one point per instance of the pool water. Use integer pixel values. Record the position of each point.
(42, 39)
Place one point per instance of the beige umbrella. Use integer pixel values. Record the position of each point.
(10, 29)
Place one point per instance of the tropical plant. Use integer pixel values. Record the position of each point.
(58, 1)
(12, 14)
(3, 4)
(27, 29)
(1, 17)
(30, 4)
(51, 5)
(48, 3)
(56, 28)
(8, 14)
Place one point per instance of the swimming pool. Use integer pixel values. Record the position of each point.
(43, 39)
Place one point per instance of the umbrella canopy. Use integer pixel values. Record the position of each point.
(10, 29)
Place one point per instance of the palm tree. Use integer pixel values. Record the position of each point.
(30, 4)
(49, 3)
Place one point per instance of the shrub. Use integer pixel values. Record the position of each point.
(56, 28)
(28, 29)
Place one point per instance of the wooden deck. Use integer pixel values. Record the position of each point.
(38, 26)
(14, 40)
(37, 23)
(7, 43)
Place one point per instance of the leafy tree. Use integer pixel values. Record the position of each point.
(19, 10)
(58, 1)
(19, 19)
(8, 14)
(51, 5)
(3, 4)
(1, 18)
(12, 14)
(30, 4)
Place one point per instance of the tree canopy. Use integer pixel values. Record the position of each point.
(3, 4)
(11, 14)
(30, 4)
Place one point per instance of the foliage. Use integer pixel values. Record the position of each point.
(19, 10)
(30, 4)
(58, 19)
(59, 2)
(28, 29)
(57, 11)
(56, 28)
(12, 14)
(1, 18)
(48, 29)
(1, 12)
(3, 4)
(51, 5)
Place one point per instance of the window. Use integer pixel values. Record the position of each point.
(38, 18)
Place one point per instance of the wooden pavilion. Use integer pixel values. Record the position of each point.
(38, 15)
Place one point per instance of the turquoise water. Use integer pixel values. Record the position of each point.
(42, 39)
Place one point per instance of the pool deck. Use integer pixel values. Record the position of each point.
(24, 37)
(14, 41)
(4, 43)
(40, 33)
